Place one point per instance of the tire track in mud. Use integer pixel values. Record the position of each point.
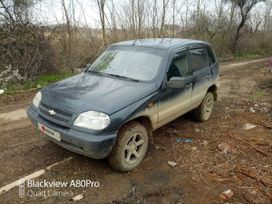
(234, 65)
(36, 174)
(23, 150)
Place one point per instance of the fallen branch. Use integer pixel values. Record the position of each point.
(254, 176)
(260, 151)
(264, 125)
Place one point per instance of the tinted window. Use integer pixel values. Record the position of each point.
(179, 66)
(198, 59)
(210, 55)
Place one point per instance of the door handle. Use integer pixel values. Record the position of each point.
(208, 76)
(188, 86)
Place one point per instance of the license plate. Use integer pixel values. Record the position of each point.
(49, 132)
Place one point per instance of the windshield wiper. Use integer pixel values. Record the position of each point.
(114, 75)
(95, 72)
(123, 77)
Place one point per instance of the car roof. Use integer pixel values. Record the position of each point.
(161, 43)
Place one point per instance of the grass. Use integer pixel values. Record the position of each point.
(41, 81)
(252, 54)
(247, 56)
(257, 96)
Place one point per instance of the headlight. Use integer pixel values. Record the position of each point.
(37, 99)
(92, 120)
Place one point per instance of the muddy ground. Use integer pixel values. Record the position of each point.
(223, 154)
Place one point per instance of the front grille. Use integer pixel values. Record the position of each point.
(60, 117)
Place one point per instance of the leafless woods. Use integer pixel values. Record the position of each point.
(30, 47)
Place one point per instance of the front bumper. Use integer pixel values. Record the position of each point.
(96, 146)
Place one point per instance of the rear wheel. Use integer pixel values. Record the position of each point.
(130, 147)
(204, 111)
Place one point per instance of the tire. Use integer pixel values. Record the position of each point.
(130, 147)
(203, 112)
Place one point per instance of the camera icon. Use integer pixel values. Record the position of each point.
(21, 189)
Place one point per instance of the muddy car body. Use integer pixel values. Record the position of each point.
(133, 88)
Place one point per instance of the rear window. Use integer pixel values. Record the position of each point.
(198, 58)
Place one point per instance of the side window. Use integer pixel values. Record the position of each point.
(198, 59)
(179, 66)
(210, 55)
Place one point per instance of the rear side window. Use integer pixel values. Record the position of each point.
(198, 59)
(210, 55)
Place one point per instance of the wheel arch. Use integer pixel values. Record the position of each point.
(213, 90)
(143, 120)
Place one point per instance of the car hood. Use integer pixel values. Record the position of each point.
(88, 91)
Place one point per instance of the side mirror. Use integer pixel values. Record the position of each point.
(176, 82)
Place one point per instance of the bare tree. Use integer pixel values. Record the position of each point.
(154, 18)
(68, 26)
(245, 6)
(113, 24)
(102, 15)
(140, 15)
(164, 8)
(173, 16)
(7, 14)
(267, 16)
(132, 18)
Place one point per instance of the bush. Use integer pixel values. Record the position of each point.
(24, 52)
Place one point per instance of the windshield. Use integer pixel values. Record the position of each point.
(130, 62)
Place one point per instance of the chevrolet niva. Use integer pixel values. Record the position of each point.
(132, 89)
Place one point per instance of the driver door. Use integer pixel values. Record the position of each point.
(176, 101)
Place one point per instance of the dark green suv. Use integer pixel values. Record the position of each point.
(133, 88)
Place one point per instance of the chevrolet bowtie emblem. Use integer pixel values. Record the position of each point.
(52, 112)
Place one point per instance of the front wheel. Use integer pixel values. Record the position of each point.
(130, 147)
(204, 111)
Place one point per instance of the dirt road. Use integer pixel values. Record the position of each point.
(224, 154)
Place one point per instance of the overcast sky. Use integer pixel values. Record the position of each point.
(86, 11)
(51, 12)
